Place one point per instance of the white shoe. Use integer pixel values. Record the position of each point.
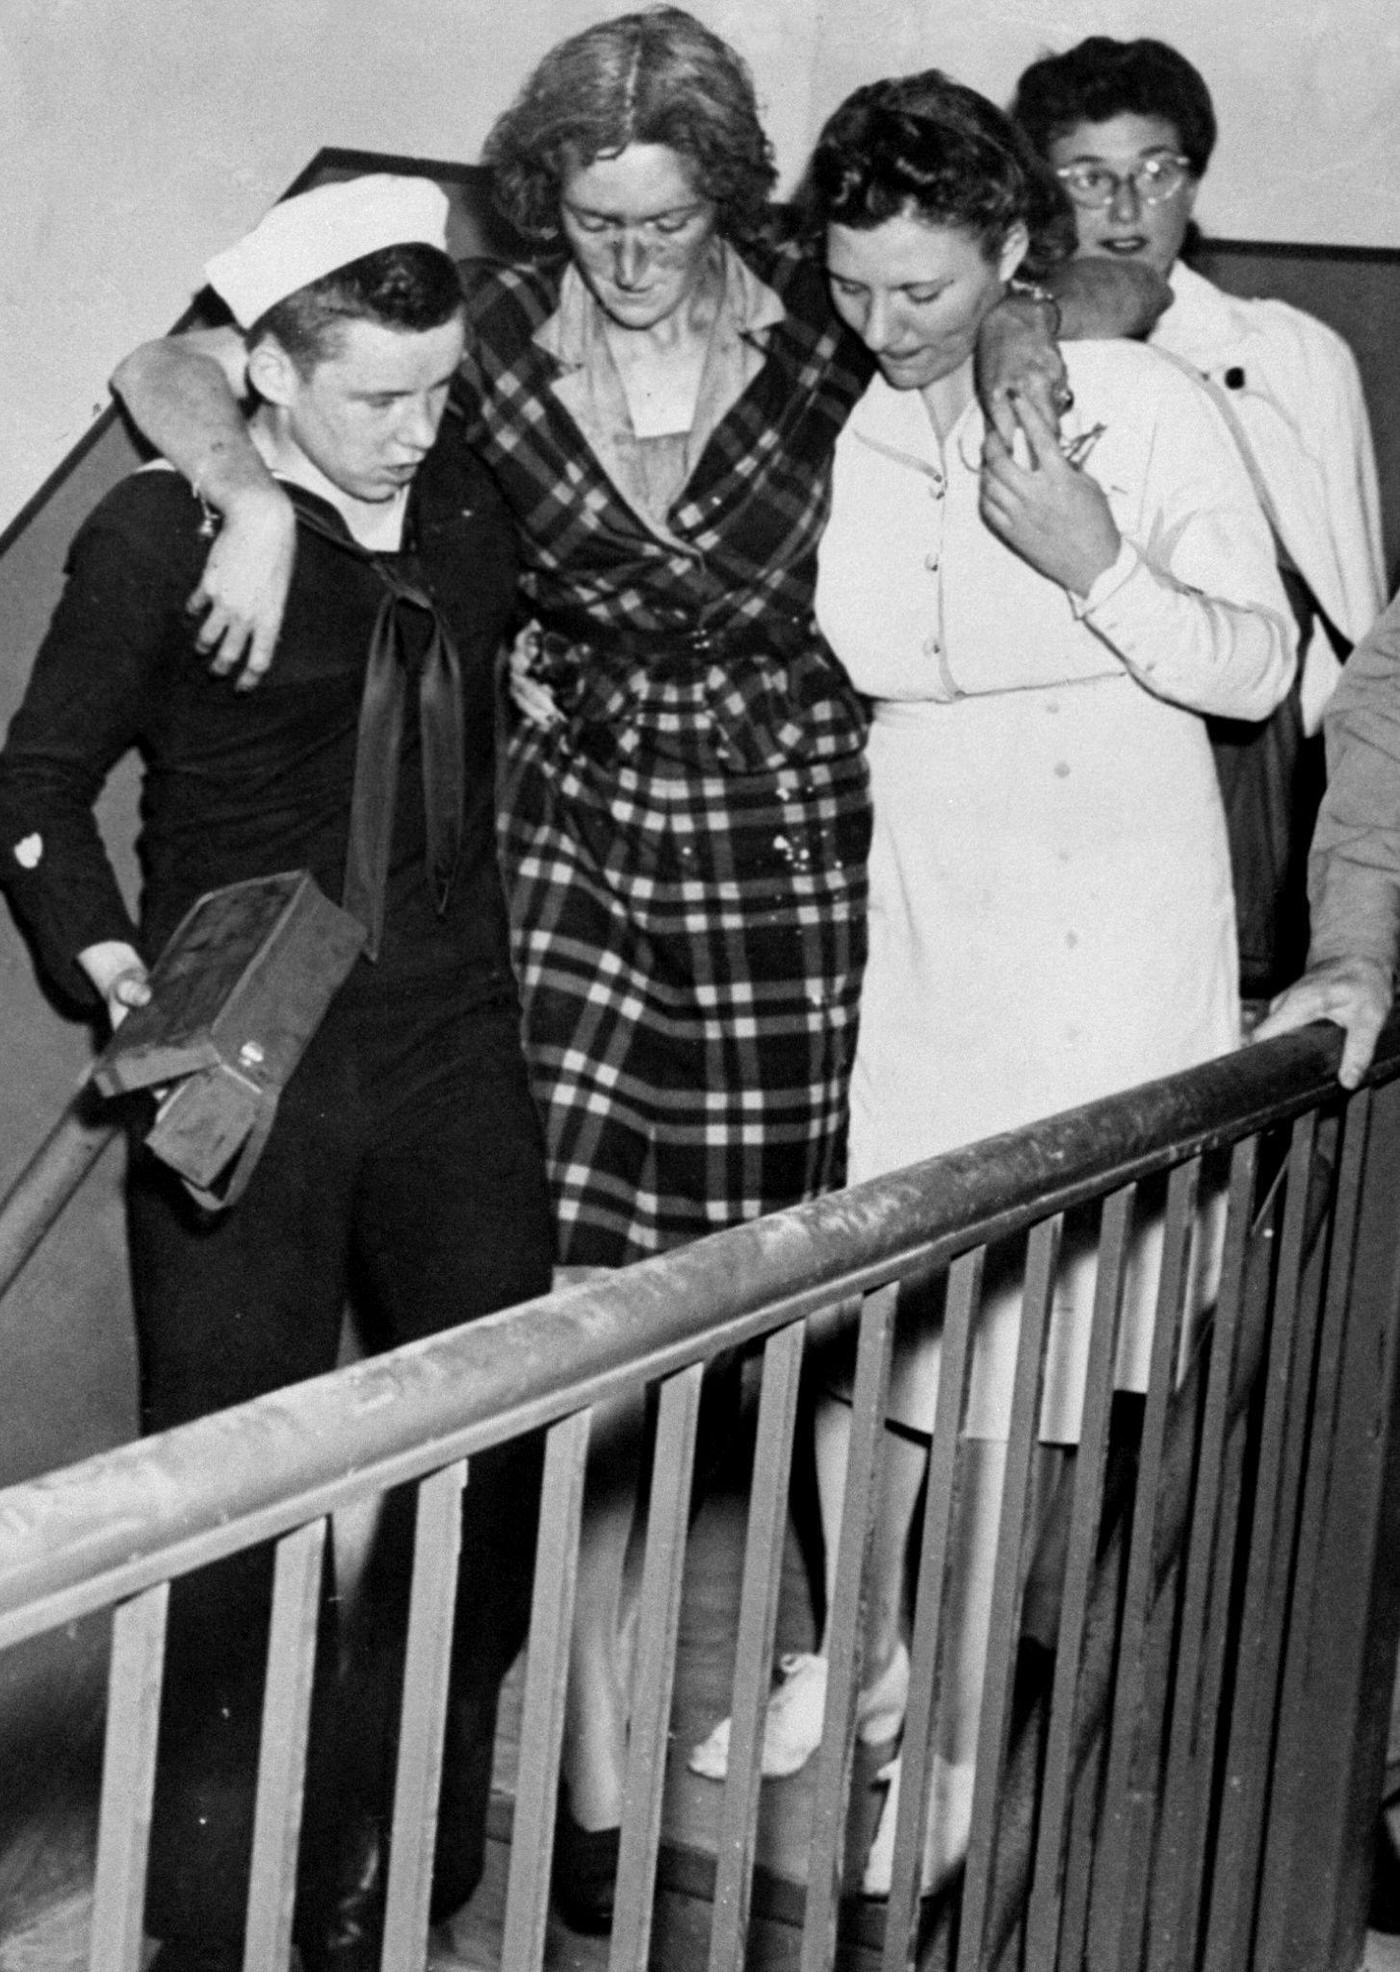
(949, 1827)
(792, 1722)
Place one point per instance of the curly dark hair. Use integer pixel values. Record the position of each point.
(413, 287)
(657, 77)
(925, 145)
(1101, 78)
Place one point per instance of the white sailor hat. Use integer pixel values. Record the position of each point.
(314, 233)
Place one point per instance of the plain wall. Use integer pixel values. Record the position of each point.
(137, 137)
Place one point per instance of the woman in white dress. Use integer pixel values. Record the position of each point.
(1040, 627)
(1129, 128)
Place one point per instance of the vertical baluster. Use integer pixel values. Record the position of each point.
(994, 1724)
(546, 1681)
(936, 1563)
(1204, 1631)
(845, 1624)
(663, 1565)
(286, 1718)
(758, 1619)
(1282, 1451)
(432, 1607)
(1118, 1901)
(1288, 1825)
(1062, 1753)
(1339, 1652)
(1085, 1816)
(128, 1780)
(1099, 1675)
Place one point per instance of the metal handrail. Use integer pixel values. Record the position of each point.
(75, 1540)
(116, 1529)
(51, 1177)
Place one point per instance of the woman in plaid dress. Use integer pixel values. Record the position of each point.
(685, 840)
(684, 828)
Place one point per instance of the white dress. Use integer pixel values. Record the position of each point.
(1051, 915)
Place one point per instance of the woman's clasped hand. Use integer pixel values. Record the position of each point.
(1052, 512)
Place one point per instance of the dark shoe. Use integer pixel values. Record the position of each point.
(585, 1872)
(347, 1932)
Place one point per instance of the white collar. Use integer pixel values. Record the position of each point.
(748, 307)
(897, 423)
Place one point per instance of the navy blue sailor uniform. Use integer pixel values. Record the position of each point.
(405, 1168)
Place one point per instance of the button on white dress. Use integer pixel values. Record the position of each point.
(1051, 916)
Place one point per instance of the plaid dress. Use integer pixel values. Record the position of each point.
(685, 853)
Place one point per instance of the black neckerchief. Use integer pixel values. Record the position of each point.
(380, 735)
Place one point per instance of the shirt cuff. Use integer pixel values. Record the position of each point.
(1120, 570)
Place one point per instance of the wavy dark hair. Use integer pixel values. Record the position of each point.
(657, 77)
(1101, 78)
(412, 287)
(925, 145)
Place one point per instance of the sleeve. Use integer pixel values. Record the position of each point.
(1193, 605)
(1304, 420)
(1354, 868)
(90, 693)
(481, 287)
(1339, 430)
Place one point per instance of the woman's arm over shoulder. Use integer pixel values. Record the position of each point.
(1018, 353)
(1099, 298)
(183, 394)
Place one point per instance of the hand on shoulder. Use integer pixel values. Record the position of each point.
(243, 591)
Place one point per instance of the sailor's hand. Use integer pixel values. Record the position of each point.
(120, 976)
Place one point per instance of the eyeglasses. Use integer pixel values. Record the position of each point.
(1154, 180)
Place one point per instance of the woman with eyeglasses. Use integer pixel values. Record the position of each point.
(1128, 129)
